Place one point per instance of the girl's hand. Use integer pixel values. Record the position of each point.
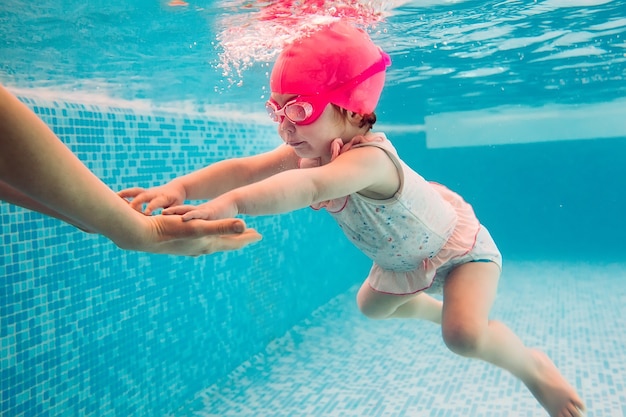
(164, 196)
(219, 208)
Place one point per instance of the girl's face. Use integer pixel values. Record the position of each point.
(313, 140)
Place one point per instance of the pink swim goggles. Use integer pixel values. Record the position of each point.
(305, 109)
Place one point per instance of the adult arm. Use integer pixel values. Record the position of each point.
(41, 170)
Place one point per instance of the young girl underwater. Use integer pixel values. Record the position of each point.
(420, 235)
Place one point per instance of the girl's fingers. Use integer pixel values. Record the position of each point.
(182, 209)
(196, 214)
(131, 192)
(157, 203)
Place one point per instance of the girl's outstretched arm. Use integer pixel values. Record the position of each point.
(211, 181)
(367, 170)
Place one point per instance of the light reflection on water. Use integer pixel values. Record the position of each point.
(446, 55)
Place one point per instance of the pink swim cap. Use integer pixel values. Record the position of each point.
(328, 59)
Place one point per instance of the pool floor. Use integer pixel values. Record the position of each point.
(338, 363)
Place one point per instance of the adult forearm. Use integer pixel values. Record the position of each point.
(16, 197)
(35, 162)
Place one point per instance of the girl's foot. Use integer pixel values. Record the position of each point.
(552, 391)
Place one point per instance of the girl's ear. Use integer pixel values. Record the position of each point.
(355, 118)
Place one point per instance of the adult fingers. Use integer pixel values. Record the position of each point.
(234, 242)
(199, 237)
(222, 227)
(200, 228)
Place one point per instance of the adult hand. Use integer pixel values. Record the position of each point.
(172, 235)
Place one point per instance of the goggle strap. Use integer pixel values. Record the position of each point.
(375, 68)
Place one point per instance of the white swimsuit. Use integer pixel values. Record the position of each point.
(423, 227)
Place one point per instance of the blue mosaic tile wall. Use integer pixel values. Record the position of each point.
(88, 329)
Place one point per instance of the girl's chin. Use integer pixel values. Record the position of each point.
(306, 153)
(304, 150)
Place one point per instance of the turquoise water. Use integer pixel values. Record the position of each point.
(338, 363)
(519, 106)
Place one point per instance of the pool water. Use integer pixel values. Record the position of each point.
(518, 106)
(336, 362)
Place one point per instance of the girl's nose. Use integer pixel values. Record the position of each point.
(287, 125)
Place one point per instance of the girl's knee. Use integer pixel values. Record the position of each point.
(372, 305)
(463, 338)
(371, 309)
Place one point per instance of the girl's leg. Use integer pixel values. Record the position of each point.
(377, 305)
(469, 292)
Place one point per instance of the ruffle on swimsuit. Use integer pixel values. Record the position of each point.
(422, 278)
